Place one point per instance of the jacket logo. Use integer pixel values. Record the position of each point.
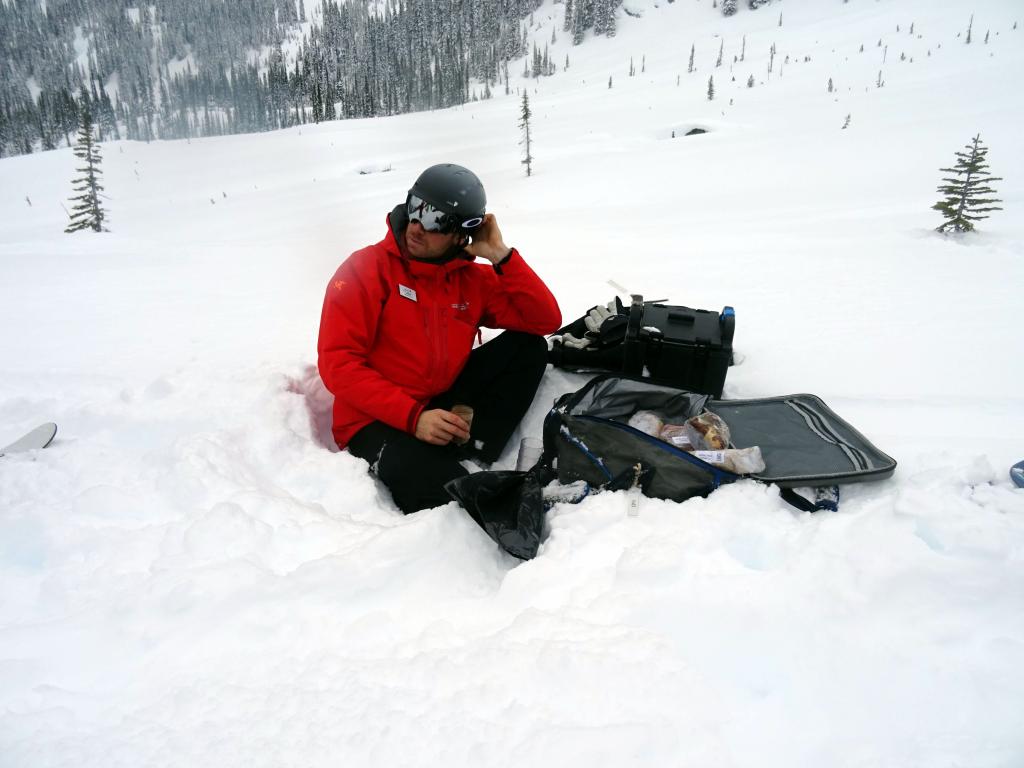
(339, 284)
(407, 292)
(461, 307)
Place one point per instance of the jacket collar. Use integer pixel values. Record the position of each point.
(394, 244)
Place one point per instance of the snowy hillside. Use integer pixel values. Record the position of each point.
(192, 575)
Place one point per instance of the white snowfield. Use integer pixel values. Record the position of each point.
(191, 575)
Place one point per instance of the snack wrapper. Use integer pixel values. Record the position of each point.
(708, 432)
(647, 422)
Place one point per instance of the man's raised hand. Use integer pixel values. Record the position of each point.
(487, 241)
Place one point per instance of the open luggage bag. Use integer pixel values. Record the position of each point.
(803, 442)
(587, 438)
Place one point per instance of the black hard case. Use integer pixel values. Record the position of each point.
(682, 347)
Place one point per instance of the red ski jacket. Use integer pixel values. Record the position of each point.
(395, 332)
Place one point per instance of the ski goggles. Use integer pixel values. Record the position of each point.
(433, 219)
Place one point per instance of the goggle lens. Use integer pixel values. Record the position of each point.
(430, 218)
(434, 219)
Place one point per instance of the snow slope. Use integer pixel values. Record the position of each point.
(191, 575)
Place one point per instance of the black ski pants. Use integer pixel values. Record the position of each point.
(499, 381)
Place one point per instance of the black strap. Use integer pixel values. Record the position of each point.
(633, 351)
(794, 499)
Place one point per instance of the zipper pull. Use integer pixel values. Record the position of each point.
(633, 494)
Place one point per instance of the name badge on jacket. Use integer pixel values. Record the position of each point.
(409, 293)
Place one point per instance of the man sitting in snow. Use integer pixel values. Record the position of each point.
(397, 332)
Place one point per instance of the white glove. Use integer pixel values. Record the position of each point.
(597, 316)
(572, 342)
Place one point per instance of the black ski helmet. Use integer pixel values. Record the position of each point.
(455, 190)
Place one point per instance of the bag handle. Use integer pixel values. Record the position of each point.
(632, 349)
(825, 498)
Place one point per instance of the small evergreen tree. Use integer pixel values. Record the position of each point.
(693, 51)
(87, 212)
(711, 88)
(728, 7)
(721, 50)
(524, 123)
(966, 191)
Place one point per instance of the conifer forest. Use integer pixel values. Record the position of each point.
(177, 69)
(187, 68)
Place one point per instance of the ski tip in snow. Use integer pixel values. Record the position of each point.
(40, 437)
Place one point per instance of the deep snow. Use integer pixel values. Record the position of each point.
(191, 576)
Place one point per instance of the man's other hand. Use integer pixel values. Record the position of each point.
(440, 427)
(487, 241)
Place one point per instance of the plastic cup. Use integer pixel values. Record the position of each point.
(530, 450)
(465, 412)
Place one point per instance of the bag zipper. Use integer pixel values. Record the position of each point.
(717, 473)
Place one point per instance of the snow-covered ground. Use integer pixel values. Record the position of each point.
(190, 575)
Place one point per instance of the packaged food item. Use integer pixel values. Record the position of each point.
(676, 435)
(742, 461)
(708, 432)
(647, 422)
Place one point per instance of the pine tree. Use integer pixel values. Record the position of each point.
(721, 50)
(524, 123)
(693, 51)
(728, 7)
(966, 191)
(87, 212)
(711, 89)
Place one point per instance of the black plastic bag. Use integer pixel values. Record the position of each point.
(507, 505)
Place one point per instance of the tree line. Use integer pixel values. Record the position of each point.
(189, 68)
